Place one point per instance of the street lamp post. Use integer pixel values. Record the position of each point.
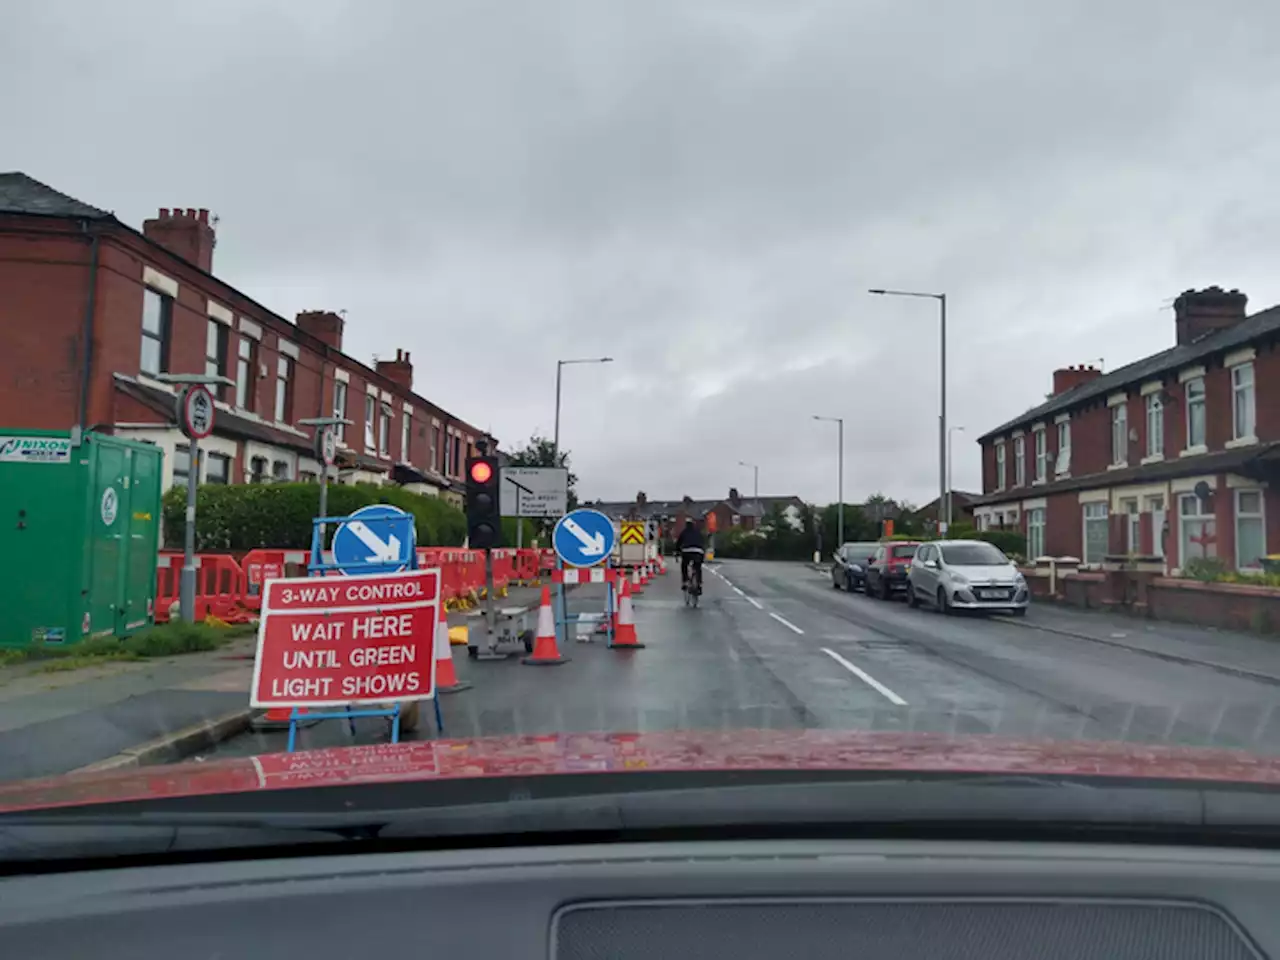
(943, 499)
(560, 365)
(755, 483)
(950, 486)
(839, 422)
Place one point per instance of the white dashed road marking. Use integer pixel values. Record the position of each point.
(866, 678)
(786, 623)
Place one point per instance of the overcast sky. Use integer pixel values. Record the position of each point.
(702, 190)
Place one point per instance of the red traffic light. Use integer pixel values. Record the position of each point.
(481, 472)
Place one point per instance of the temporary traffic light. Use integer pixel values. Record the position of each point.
(484, 518)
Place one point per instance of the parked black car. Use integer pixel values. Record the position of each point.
(887, 572)
(849, 565)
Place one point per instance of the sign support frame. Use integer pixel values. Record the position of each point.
(317, 568)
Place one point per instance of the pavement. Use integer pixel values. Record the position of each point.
(771, 646)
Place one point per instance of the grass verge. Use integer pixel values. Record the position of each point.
(163, 640)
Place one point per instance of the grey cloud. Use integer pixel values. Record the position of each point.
(702, 190)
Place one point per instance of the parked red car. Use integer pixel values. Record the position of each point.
(887, 572)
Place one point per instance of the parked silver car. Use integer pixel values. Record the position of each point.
(966, 575)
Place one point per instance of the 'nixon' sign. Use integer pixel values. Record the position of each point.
(330, 641)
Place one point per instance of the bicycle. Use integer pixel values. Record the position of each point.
(692, 588)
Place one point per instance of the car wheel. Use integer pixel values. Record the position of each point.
(835, 584)
(944, 607)
(912, 600)
(848, 582)
(1020, 611)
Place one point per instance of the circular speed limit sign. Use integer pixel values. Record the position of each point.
(327, 446)
(195, 412)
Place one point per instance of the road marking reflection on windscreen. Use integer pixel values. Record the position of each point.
(866, 678)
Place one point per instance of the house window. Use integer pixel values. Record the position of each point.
(384, 431)
(308, 476)
(1095, 532)
(1042, 455)
(1155, 425)
(157, 328)
(217, 468)
(257, 469)
(457, 455)
(1242, 402)
(406, 435)
(1132, 527)
(736, 519)
(181, 464)
(284, 389)
(435, 447)
(1119, 435)
(1035, 533)
(1063, 464)
(1154, 505)
(280, 471)
(340, 408)
(1195, 413)
(1019, 461)
(370, 413)
(1195, 529)
(246, 372)
(1251, 530)
(215, 354)
(1000, 465)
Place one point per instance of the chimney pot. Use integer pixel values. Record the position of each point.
(164, 212)
(204, 215)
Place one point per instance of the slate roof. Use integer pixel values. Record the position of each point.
(20, 193)
(1260, 461)
(1261, 324)
(658, 508)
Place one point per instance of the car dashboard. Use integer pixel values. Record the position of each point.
(739, 899)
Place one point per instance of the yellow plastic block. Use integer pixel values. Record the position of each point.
(458, 636)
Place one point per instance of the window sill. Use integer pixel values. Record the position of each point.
(1065, 475)
(1118, 466)
(1195, 451)
(1039, 483)
(1241, 442)
(1154, 458)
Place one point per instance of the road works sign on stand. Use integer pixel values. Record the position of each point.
(336, 641)
(583, 538)
(534, 492)
(375, 539)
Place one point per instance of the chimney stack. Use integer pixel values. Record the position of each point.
(399, 370)
(185, 233)
(1068, 378)
(1199, 313)
(735, 498)
(324, 325)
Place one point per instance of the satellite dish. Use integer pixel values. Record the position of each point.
(1202, 490)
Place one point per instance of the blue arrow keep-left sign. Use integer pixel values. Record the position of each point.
(375, 539)
(583, 538)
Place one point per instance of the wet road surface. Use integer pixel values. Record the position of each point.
(774, 646)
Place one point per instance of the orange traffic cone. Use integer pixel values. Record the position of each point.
(545, 652)
(637, 585)
(624, 634)
(446, 676)
(277, 718)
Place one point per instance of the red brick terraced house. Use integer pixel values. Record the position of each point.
(1175, 456)
(92, 311)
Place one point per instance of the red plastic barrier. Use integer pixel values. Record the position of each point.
(546, 560)
(526, 565)
(220, 587)
(504, 567)
(451, 574)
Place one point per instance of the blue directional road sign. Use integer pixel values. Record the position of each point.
(375, 539)
(583, 538)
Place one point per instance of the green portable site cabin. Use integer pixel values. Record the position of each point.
(79, 534)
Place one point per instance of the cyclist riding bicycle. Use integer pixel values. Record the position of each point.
(691, 549)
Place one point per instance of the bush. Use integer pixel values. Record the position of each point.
(1011, 542)
(245, 517)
